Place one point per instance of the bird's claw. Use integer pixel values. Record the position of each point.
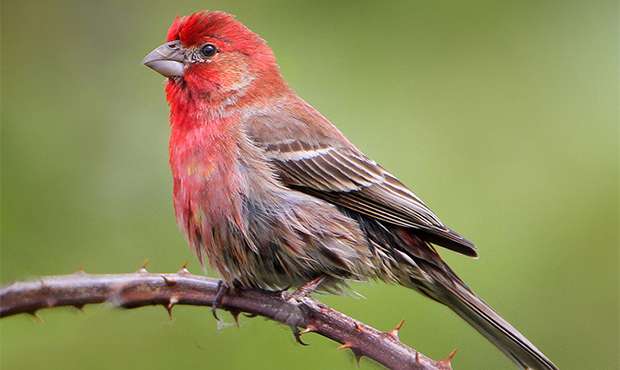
(222, 289)
(297, 334)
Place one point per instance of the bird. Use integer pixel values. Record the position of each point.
(273, 195)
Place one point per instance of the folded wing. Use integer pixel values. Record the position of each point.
(317, 159)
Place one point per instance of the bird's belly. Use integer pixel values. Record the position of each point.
(254, 231)
(286, 240)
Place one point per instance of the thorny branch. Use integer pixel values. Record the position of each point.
(144, 288)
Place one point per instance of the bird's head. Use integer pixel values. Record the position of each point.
(212, 53)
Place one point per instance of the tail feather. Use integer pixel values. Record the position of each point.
(422, 269)
(456, 295)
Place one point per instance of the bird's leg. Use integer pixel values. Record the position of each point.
(306, 289)
(222, 289)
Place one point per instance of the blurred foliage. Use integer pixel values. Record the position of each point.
(501, 115)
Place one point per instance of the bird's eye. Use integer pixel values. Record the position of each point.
(208, 50)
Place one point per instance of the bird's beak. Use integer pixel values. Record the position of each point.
(167, 59)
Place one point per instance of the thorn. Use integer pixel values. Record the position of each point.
(183, 270)
(169, 282)
(451, 355)
(145, 263)
(235, 314)
(297, 335)
(417, 357)
(79, 307)
(358, 356)
(448, 360)
(173, 300)
(80, 270)
(142, 269)
(345, 345)
(35, 316)
(394, 332)
(358, 327)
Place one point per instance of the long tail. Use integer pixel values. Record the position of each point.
(452, 292)
(421, 268)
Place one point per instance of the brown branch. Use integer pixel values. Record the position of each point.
(143, 289)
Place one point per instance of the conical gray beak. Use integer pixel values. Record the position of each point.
(167, 59)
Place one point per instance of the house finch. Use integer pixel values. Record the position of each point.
(273, 195)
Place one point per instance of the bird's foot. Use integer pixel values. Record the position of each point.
(222, 289)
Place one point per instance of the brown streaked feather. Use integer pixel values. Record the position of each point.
(320, 161)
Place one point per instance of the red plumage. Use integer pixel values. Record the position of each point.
(273, 195)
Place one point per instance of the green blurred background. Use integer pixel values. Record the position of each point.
(501, 115)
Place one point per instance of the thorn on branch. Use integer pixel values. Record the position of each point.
(452, 354)
(356, 353)
(35, 316)
(235, 314)
(142, 269)
(168, 281)
(358, 356)
(183, 270)
(394, 332)
(358, 327)
(448, 360)
(345, 345)
(173, 300)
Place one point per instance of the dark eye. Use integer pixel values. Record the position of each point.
(208, 50)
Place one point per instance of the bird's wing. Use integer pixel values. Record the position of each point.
(311, 155)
